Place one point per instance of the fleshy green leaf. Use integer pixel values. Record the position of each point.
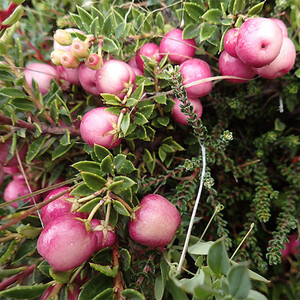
(107, 165)
(24, 291)
(34, 148)
(88, 207)
(59, 276)
(191, 31)
(125, 123)
(131, 294)
(194, 10)
(200, 248)
(120, 208)
(256, 9)
(217, 258)
(22, 103)
(61, 150)
(93, 181)
(239, 281)
(106, 270)
(101, 152)
(109, 45)
(82, 190)
(206, 31)
(15, 16)
(140, 119)
(88, 166)
(213, 16)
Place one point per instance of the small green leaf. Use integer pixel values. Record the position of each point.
(200, 248)
(101, 152)
(194, 10)
(159, 21)
(159, 288)
(239, 281)
(213, 16)
(217, 258)
(161, 99)
(15, 16)
(131, 294)
(279, 125)
(147, 110)
(254, 295)
(162, 154)
(238, 6)
(88, 207)
(109, 45)
(94, 27)
(164, 121)
(6, 76)
(138, 92)
(61, 277)
(24, 291)
(191, 31)
(125, 259)
(127, 168)
(125, 123)
(111, 99)
(127, 182)
(119, 162)
(65, 139)
(3, 49)
(82, 190)
(85, 17)
(120, 208)
(34, 148)
(107, 294)
(61, 150)
(140, 119)
(107, 165)
(12, 271)
(22, 103)
(88, 166)
(96, 285)
(256, 9)
(119, 30)
(93, 181)
(106, 270)
(29, 231)
(27, 248)
(206, 31)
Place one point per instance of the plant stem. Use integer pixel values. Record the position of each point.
(94, 210)
(116, 197)
(118, 283)
(243, 240)
(188, 235)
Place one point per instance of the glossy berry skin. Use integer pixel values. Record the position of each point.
(42, 74)
(87, 79)
(258, 42)
(155, 222)
(282, 26)
(149, 50)
(282, 64)
(18, 188)
(70, 75)
(180, 117)
(66, 243)
(95, 128)
(193, 70)
(69, 60)
(4, 152)
(230, 39)
(98, 228)
(115, 77)
(132, 62)
(177, 48)
(59, 207)
(233, 66)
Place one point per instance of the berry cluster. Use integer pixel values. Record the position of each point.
(260, 46)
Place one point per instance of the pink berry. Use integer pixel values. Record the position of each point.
(230, 41)
(18, 188)
(155, 223)
(69, 60)
(87, 78)
(80, 49)
(282, 64)
(66, 243)
(258, 42)
(62, 37)
(193, 70)
(11, 170)
(138, 71)
(58, 207)
(132, 62)
(96, 128)
(93, 61)
(282, 26)
(292, 247)
(57, 46)
(149, 50)
(4, 153)
(106, 237)
(177, 48)
(180, 117)
(70, 75)
(115, 77)
(1, 174)
(42, 73)
(233, 66)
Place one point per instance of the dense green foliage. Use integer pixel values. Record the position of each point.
(250, 133)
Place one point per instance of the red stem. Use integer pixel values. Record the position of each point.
(9, 281)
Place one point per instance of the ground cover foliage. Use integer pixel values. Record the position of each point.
(244, 150)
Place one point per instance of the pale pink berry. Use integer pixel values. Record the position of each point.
(106, 236)
(98, 126)
(230, 41)
(69, 60)
(87, 78)
(177, 48)
(233, 66)
(192, 71)
(151, 51)
(155, 222)
(282, 26)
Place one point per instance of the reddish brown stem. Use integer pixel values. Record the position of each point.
(118, 283)
(45, 128)
(9, 281)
